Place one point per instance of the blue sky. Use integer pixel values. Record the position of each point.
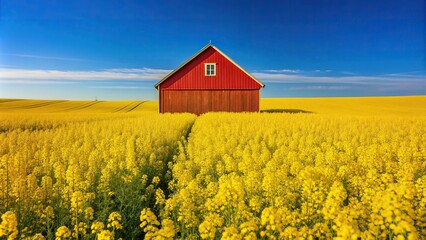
(120, 49)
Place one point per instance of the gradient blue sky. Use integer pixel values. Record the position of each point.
(119, 49)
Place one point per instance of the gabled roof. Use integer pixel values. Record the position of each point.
(198, 53)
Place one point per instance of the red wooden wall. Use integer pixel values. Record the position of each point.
(201, 101)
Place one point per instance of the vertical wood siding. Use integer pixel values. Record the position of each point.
(201, 101)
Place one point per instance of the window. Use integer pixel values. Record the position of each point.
(210, 69)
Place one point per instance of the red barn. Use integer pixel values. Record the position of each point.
(209, 81)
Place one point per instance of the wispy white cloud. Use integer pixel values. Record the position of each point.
(322, 71)
(283, 71)
(121, 87)
(140, 70)
(348, 73)
(332, 82)
(43, 57)
(41, 82)
(344, 79)
(142, 74)
(5, 66)
(327, 88)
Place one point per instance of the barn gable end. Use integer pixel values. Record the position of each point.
(188, 89)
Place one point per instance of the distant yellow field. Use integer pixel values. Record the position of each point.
(409, 105)
(63, 106)
(401, 106)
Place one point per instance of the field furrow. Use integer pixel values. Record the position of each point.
(83, 106)
(134, 107)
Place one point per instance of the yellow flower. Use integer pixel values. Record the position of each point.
(114, 221)
(97, 226)
(160, 198)
(148, 220)
(38, 236)
(105, 235)
(9, 225)
(208, 228)
(62, 233)
(88, 213)
(155, 180)
(167, 230)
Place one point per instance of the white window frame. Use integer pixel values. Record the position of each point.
(205, 69)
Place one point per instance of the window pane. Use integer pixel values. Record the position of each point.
(210, 69)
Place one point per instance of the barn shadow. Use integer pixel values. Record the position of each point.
(281, 110)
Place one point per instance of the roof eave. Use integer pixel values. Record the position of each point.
(241, 68)
(183, 64)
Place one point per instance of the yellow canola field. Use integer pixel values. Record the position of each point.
(301, 176)
(317, 168)
(86, 177)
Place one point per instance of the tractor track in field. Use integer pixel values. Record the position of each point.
(129, 107)
(42, 104)
(10, 100)
(189, 130)
(122, 108)
(83, 106)
(134, 107)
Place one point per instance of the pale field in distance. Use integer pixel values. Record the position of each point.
(356, 106)
(64, 106)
